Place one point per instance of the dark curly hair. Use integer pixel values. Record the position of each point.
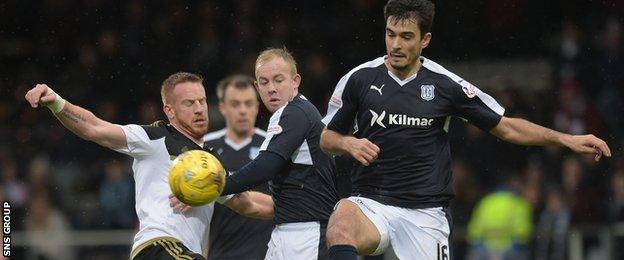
(422, 11)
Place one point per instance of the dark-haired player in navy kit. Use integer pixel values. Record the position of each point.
(237, 144)
(302, 176)
(391, 114)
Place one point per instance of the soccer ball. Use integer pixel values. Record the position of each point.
(196, 178)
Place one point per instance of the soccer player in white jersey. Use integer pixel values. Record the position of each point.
(163, 233)
(391, 114)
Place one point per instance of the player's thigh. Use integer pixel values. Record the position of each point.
(421, 236)
(349, 225)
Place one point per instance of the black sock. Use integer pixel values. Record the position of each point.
(342, 252)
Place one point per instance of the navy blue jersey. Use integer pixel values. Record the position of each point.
(305, 189)
(408, 119)
(233, 236)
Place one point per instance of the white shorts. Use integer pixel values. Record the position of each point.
(303, 240)
(412, 233)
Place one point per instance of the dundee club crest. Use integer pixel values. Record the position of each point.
(427, 92)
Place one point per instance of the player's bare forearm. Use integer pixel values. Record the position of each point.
(252, 204)
(331, 142)
(263, 205)
(87, 126)
(362, 150)
(78, 120)
(520, 131)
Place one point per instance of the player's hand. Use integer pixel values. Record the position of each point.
(177, 205)
(41, 94)
(588, 144)
(363, 150)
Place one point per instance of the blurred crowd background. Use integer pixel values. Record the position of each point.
(111, 56)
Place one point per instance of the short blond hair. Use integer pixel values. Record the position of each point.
(175, 79)
(283, 53)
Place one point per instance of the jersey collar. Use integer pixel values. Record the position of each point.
(236, 146)
(397, 79)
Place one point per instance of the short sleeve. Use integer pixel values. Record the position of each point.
(139, 143)
(343, 106)
(286, 132)
(476, 106)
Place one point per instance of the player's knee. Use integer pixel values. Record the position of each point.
(339, 234)
(340, 228)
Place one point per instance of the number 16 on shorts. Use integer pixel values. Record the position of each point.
(443, 252)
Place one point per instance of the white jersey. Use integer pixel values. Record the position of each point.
(153, 148)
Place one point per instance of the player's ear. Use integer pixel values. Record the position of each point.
(168, 111)
(426, 39)
(297, 80)
(222, 108)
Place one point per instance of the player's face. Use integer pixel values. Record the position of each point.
(240, 108)
(404, 43)
(188, 110)
(276, 83)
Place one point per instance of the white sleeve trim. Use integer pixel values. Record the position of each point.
(302, 154)
(273, 129)
(223, 199)
(335, 102)
(469, 89)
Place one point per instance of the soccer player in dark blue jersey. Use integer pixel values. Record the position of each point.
(391, 114)
(237, 144)
(301, 176)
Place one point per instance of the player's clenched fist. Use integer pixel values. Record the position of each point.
(362, 150)
(43, 95)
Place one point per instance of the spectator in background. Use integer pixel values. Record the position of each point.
(47, 230)
(574, 114)
(149, 111)
(609, 66)
(616, 202)
(615, 208)
(467, 190)
(532, 189)
(552, 228)
(501, 225)
(318, 81)
(583, 199)
(15, 190)
(117, 197)
(38, 176)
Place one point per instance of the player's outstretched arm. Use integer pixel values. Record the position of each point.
(362, 149)
(252, 204)
(260, 170)
(520, 131)
(78, 120)
(249, 203)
